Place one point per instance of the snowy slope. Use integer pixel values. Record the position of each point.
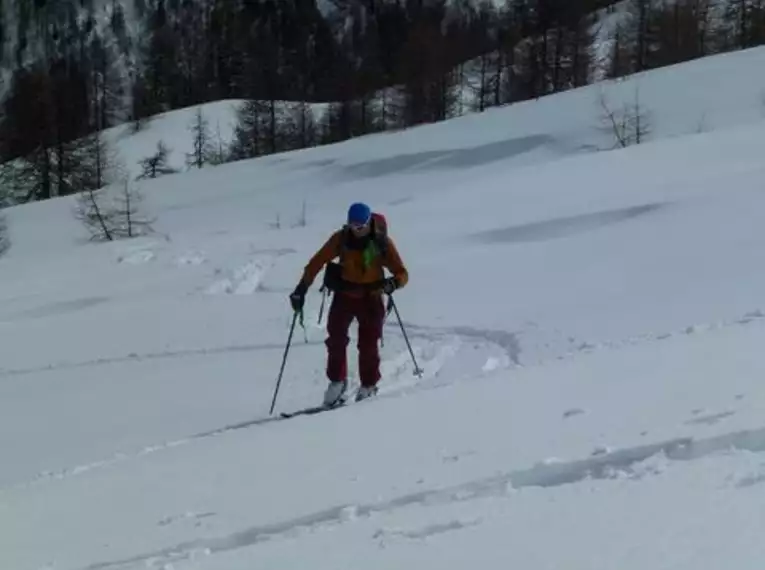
(173, 129)
(589, 323)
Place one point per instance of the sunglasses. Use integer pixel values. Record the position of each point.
(356, 226)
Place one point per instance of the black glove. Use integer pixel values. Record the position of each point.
(389, 285)
(297, 297)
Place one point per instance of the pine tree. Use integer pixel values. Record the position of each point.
(202, 141)
(192, 82)
(483, 33)
(161, 72)
(224, 54)
(253, 135)
(97, 163)
(427, 70)
(744, 24)
(107, 91)
(299, 126)
(5, 237)
(68, 115)
(142, 106)
(26, 134)
(681, 32)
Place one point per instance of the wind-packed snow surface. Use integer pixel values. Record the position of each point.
(590, 325)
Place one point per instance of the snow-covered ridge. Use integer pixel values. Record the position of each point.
(553, 126)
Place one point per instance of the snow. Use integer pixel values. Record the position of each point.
(589, 324)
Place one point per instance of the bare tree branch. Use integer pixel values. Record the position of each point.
(91, 213)
(109, 218)
(629, 125)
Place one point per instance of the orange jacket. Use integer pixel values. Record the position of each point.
(353, 269)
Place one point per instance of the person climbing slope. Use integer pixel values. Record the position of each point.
(358, 282)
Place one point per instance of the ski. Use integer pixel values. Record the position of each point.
(321, 408)
(312, 410)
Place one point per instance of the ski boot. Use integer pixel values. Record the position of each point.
(366, 392)
(333, 396)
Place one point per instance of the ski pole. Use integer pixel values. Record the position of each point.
(417, 370)
(284, 361)
(388, 309)
(323, 298)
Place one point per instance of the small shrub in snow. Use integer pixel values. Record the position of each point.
(303, 219)
(701, 127)
(113, 213)
(629, 125)
(156, 164)
(132, 218)
(94, 215)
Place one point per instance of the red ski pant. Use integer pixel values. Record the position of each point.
(370, 314)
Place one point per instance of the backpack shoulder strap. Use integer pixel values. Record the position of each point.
(343, 236)
(380, 232)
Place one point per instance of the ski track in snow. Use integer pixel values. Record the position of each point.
(511, 343)
(244, 279)
(178, 353)
(628, 463)
(137, 357)
(137, 256)
(587, 347)
(396, 368)
(446, 342)
(508, 341)
(191, 257)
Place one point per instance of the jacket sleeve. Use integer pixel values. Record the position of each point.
(396, 266)
(326, 253)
